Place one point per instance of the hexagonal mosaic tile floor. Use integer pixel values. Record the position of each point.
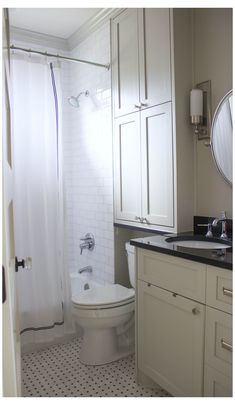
(57, 372)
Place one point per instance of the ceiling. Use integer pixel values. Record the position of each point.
(59, 22)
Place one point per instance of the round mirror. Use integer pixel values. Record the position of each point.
(222, 137)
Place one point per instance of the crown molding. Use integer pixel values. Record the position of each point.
(92, 25)
(36, 38)
(39, 39)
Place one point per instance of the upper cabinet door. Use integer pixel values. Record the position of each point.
(157, 165)
(127, 168)
(154, 56)
(125, 63)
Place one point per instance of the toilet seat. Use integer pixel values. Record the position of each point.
(109, 296)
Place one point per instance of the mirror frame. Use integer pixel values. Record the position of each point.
(226, 97)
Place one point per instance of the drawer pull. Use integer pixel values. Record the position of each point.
(227, 292)
(195, 311)
(226, 345)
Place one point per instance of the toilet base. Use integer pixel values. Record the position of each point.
(100, 347)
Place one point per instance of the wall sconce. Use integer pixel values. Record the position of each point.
(196, 108)
(200, 109)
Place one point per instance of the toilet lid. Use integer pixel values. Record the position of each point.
(107, 295)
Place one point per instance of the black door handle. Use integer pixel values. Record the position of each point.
(19, 263)
(4, 294)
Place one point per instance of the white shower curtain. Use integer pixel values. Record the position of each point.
(44, 291)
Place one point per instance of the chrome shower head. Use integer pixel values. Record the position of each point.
(74, 101)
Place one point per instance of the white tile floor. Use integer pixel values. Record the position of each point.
(57, 371)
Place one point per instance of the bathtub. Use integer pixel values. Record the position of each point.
(81, 282)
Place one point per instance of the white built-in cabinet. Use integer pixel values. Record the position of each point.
(141, 59)
(143, 163)
(144, 124)
(183, 334)
(170, 340)
(218, 334)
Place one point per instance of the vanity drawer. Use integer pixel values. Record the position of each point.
(219, 290)
(178, 275)
(218, 340)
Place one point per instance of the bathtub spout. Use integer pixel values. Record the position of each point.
(87, 269)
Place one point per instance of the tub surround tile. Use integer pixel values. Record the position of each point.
(87, 147)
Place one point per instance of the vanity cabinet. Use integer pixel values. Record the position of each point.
(184, 336)
(141, 59)
(170, 339)
(143, 166)
(218, 333)
(152, 144)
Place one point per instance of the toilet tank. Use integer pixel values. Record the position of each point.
(130, 250)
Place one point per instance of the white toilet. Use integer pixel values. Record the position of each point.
(106, 315)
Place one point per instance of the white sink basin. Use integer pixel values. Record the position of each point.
(197, 244)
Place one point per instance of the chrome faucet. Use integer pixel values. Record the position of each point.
(214, 223)
(88, 242)
(87, 269)
(223, 221)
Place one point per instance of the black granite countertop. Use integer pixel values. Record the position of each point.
(219, 257)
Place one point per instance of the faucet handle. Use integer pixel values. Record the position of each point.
(224, 234)
(223, 216)
(88, 237)
(209, 233)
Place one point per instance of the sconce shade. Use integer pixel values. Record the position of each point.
(196, 103)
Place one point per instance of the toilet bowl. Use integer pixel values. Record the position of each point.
(106, 315)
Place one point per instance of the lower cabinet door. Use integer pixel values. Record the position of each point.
(219, 340)
(217, 384)
(170, 340)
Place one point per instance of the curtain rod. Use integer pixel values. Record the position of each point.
(61, 57)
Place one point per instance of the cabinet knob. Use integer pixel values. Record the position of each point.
(195, 311)
(144, 104)
(137, 105)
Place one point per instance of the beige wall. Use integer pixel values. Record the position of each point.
(212, 60)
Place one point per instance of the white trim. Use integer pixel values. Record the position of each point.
(36, 38)
(93, 24)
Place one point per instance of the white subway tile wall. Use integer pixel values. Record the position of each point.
(87, 150)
